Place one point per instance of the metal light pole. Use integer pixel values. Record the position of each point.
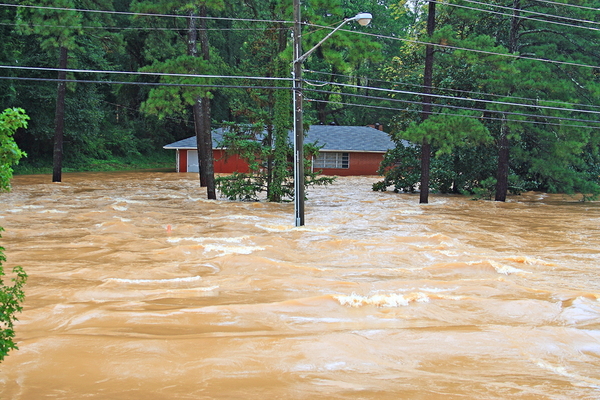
(363, 19)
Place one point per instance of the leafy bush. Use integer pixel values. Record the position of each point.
(11, 298)
(10, 154)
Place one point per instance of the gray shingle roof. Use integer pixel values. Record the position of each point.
(331, 137)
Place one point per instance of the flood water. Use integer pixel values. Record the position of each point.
(139, 288)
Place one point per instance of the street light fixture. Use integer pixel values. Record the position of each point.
(363, 19)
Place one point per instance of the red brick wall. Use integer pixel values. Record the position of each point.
(359, 164)
(229, 164)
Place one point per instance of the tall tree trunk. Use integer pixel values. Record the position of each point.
(503, 142)
(59, 121)
(202, 110)
(281, 118)
(205, 132)
(427, 83)
(503, 158)
(197, 109)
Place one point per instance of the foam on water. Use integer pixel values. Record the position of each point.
(128, 201)
(437, 290)
(381, 300)
(247, 217)
(505, 269)
(232, 249)
(237, 239)
(530, 261)
(563, 371)
(170, 280)
(285, 228)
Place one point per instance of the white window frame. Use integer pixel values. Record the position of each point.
(331, 160)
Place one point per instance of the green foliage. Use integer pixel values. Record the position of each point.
(545, 153)
(10, 154)
(106, 123)
(270, 167)
(447, 131)
(11, 298)
(168, 100)
(400, 168)
(485, 190)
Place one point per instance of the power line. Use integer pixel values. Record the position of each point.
(445, 46)
(18, 78)
(515, 16)
(389, 91)
(441, 113)
(440, 96)
(442, 89)
(568, 5)
(121, 28)
(585, 21)
(328, 27)
(318, 91)
(454, 106)
(139, 14)
(203, 76)
(141, 73)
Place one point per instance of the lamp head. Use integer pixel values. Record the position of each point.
(363, 18)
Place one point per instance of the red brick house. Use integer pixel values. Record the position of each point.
(346, 151)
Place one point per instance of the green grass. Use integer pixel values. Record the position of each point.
(154, 161)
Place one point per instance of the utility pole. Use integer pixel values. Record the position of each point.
(298, 128)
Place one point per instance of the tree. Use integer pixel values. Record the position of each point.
(10, 154)
(59, 27)
(181, 57)
(452, 136)
(540, 113)
(427, 89)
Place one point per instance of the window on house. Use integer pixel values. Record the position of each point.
(332, 160)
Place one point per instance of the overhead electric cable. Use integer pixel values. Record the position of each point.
(19, 78)
(313, 90)
(585, 21)
(455, 106)
(441, 113)
(372, 88)
(515, 15)
(441, 89)
(122, 28)
(445, 46)
(568, 5)
(320, 26)
(143, 14)
(90, 71)
(440, 96)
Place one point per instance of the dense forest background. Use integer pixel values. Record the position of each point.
(513, 95)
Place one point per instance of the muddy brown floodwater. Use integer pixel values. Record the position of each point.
(139, 288)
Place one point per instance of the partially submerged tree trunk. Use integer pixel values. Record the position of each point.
(59, 121)
(206, 134)
(503, 158)
(427, 83)
(201, 110)
(503, 142)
